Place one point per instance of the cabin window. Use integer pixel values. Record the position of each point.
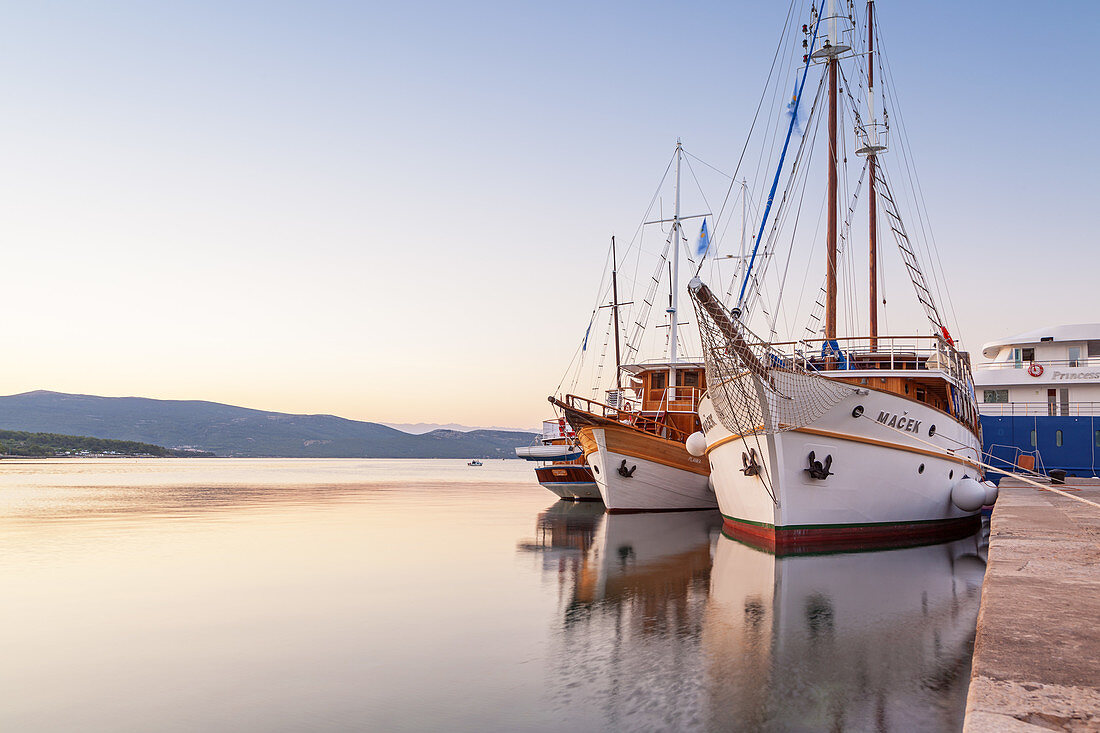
(688, 379)
(1028, 354)
(1058, 438)
(921, 394)
(1094, 348)
(657, 380)
(1033, 441)
(1074, 356)
(995, 395)
(1017, 358)
(1098, 438)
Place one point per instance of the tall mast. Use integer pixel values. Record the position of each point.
(872, 206)
(615, 312)
(830, 264)
(675, 272)
(872, 142)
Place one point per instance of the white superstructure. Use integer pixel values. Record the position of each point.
(1053, 371)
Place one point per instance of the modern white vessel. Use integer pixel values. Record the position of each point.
(1039, 399)
(827, 439)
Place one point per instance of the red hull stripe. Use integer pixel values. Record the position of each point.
(808, 538)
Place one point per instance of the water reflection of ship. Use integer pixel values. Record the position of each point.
(858, 641)
(646, 558)
(625, 648)
(565, 530)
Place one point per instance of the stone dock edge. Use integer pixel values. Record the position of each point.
(1036, 660)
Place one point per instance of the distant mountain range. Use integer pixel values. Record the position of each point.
(238, 431)
(419, 428)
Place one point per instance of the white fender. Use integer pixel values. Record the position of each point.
(696, 444)
(968, 495)
(991, 493)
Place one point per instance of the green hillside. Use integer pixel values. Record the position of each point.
(227, 430)
(24, 444)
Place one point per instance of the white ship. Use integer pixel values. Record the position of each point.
(1039, 399)
(827, 439)
(634, 441)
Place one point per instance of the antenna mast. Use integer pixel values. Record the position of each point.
(615, 313)
(675, 272)
(872, 224)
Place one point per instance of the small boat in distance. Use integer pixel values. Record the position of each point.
(474, 462)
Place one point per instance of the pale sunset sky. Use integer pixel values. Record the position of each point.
(399, 212)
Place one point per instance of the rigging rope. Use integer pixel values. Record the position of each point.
(756, 116)
(782, 155)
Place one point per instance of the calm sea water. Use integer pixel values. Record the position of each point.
(386, 595)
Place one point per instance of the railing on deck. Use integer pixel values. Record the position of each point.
(679, 399)
(1081, 363)
(894, 353)
(884, 352)
(628, 415)
(1040, 409)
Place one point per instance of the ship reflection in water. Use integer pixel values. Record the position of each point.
(665, 622)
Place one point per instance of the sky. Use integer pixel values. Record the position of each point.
(400, 212)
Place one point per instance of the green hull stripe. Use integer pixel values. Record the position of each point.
(846, 551)
(792, 527)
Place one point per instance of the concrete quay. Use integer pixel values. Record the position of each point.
(1037, 650)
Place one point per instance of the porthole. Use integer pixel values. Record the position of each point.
(920, 468)
(906, 388)
(595, 468)
(857, 411)
(951, 474)
(931, 431)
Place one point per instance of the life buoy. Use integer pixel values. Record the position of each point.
(1035, 370)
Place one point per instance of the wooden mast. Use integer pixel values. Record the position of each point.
(872, 206)
(615, 312)
(830, 273)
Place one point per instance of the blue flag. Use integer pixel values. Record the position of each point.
(792, 111)
(704, 240)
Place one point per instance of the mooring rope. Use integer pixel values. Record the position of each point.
(982, 464)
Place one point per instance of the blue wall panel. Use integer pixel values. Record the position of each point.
(1078, 455)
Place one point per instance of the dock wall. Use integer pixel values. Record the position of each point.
(1037, 651)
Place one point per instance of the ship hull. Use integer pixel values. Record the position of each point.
(885, 487)
(639, 472)
(574, 483)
